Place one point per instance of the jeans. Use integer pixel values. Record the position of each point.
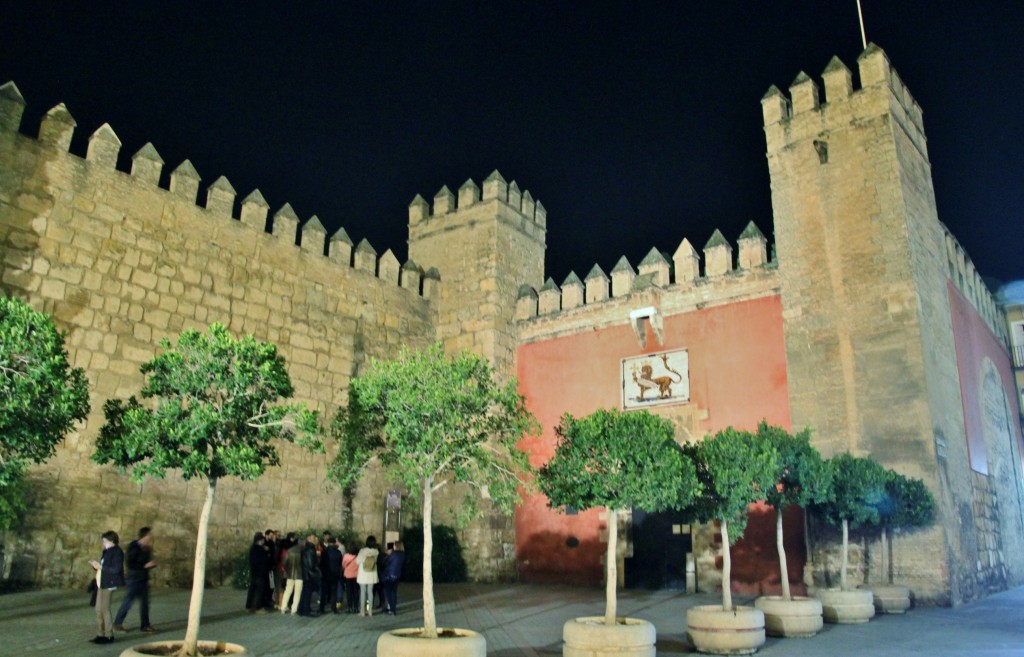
(293, 590)
(136, 589)
(365, 595)
(391, 595)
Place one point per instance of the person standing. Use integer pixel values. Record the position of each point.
(390, 576)
(271, 589)
(109, 577)
(349, 572)
(310, 561)
(293, 571)
(330, 564)
(367, 575)
(138, 561)
(259, 567)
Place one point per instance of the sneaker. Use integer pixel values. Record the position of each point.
(119, 628)
(149, 629)
(98, 639)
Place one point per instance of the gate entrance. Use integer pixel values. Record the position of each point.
(661, 543)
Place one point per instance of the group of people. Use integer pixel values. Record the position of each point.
(111, 575)
(286, 572)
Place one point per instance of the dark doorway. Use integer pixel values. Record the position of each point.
(661, 542)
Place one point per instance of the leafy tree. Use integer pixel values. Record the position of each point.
(907, 504)
(431, 420)
(802, 478)
(41, 397)
(736, 469)
(858, 489)
(447, 562)
(617, 460)
(212, 413)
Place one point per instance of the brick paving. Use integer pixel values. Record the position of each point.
(517, 620)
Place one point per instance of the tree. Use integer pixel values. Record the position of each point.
(736, 468)
(907, 504)
(801, 478)
(213, 413)
(617, 460)
(430, 421)
(41, 397)
(858, 488)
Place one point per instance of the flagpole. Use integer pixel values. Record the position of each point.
(860, 15)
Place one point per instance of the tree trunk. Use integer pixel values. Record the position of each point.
(783, 566)
(429, 617)
(886, 562)
(195, 605)
(846, 555)
(611, 568)
(726, 568)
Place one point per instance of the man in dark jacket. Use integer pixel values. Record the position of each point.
(391, 573)
(330, 564)
(310, 575)
(138, 563)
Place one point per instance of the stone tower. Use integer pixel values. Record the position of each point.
(866, 307)
(484, 248)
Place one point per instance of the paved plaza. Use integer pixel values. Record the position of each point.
(517, 620)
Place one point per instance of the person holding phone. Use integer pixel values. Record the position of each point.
(109, 577)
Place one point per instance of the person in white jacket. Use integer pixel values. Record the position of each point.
(367, 576)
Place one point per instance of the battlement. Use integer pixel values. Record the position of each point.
(966, 278)
(803, 114)
(57, 128)
(678, 272)
(450, 209)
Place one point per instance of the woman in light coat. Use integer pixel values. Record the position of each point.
(367, 576)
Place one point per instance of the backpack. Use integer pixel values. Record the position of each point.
(370, 562)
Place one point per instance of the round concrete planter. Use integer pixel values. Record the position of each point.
(409, 642)
(590, 636)
(839, 606)
(712, 629)
(796, 618)
(890, 598)
(170, 647)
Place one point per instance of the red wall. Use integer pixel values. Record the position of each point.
(737, 361)
(975, 342)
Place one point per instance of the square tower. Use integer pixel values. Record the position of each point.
(870, 345)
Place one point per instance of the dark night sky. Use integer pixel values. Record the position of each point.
(636, 124)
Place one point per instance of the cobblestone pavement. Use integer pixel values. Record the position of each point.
(517, 620)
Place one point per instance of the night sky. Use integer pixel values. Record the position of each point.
(635, 124)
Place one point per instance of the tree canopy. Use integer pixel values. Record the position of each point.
(41, 397)
(427, 416)
(215, 411)
(858, 491)
(907, 503)
(802, 475)
(736, 468)
(618, 460)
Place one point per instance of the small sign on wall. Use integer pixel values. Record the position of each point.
(656, 379)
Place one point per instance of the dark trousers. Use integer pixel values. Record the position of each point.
(306, 599)
(135, 589)
(329, 589)
(352, 594)
(257, 592)
(391, 595)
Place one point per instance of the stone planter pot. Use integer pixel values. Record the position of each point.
(839, 606)
(796, 618)
(890, 598)
(712, 629)
(169, 647)
(590, 637)
(409, 642)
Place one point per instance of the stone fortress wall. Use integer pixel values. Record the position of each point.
(122, 263)
(862, 271)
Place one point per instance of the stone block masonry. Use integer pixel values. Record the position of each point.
(121, 264)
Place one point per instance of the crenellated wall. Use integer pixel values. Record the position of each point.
(871, 327)
(122, 263)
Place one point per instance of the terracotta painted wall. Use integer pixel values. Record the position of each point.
(737, 365)
(974, 343)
